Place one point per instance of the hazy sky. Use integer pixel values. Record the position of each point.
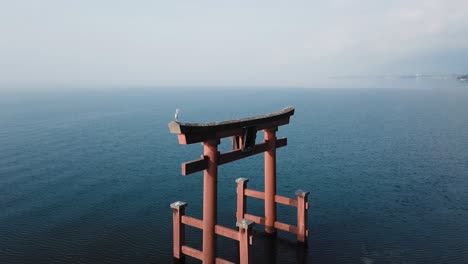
(291, 43)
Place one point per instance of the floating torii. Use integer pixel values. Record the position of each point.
(243, 133)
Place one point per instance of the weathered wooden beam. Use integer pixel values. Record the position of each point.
(281, 142)
(194, 253)
(285, 200)
(192, 221)
(278, 225)
(286, 227)
(223, 261)
(239, 154)
(194, 165)
(255, 194)
(257, 219)
(201, 164)
(189, 133)
(227, 232)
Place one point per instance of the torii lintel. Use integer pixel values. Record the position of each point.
(189, 133)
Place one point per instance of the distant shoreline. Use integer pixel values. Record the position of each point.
(460, 77)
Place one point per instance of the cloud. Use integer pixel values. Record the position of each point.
(235, 43)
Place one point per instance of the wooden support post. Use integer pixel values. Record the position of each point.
(241, 198)
(210, 197)
(245, 239)
(302, 207)
(270, 181)
(178, 210)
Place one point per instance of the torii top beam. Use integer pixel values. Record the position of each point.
(189, 133)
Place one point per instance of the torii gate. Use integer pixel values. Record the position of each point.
(243, 133)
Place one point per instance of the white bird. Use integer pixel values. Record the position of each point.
(176, 115)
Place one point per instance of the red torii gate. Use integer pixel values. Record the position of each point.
(243, 133)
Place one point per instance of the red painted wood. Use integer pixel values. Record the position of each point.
(286, 227)
(195, 132)
(270, 181)
(239, 154)
(194, 253)
(302, 231)
(202, 163)
(191, 221)
(227, 232)
(178, 232)
(244, 245)
(194, 166)
(256, 219)
(255, 194)
(241, 198)
(285, 200)
(210, 201)
(223, 261)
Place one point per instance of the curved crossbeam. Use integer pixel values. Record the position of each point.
(199, 132)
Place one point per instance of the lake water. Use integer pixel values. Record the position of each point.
(88, 176)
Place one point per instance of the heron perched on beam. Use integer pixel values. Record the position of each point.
(176, 115)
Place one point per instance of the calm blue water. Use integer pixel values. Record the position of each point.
(87, 177)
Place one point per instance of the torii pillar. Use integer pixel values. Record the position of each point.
(210, 200)
(270, 181)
